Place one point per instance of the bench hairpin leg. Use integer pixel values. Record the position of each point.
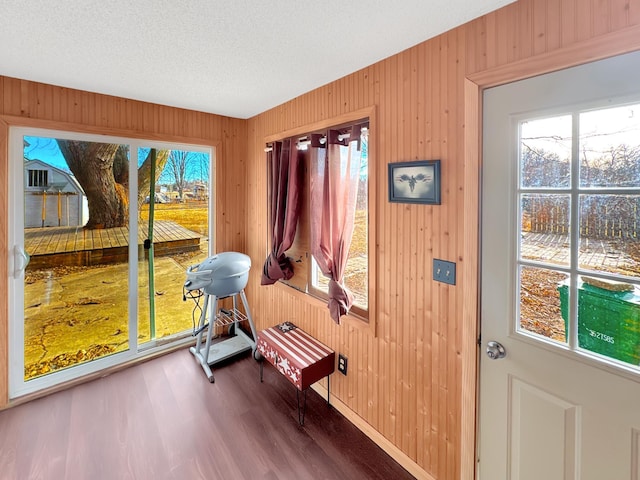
(304, 405)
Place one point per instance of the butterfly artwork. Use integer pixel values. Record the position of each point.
(412, 179)
(415, 182)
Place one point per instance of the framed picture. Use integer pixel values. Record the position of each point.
(415, 182)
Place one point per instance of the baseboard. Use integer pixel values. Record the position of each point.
(394, 452)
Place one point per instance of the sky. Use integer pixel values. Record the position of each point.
(45, 149)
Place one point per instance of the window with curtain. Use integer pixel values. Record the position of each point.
(319, 216)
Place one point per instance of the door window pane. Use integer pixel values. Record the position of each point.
(610, 147)
(545, 152)
(545, 221)
(544, 302)
(609, 233)
(609, 318)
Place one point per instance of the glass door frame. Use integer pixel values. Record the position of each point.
(18, 386)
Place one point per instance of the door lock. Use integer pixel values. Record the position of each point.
(495, 350)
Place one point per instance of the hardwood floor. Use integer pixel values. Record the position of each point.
(163, 420)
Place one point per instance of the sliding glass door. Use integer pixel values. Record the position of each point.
(102, 230)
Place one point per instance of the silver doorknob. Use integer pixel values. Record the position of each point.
(495, 350)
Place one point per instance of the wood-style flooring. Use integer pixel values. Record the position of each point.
(163, 420)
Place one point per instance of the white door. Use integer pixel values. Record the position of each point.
(561, 276)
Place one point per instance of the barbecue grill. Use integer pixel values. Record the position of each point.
(220, 276)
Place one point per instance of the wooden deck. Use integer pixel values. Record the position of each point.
(75, 246)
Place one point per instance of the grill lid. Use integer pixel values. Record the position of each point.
(222, 275)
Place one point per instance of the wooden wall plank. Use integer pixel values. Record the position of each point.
(422, 256)
(397, 305)
(600, 17)
(404, 254)
(583, 21)
(633, 11)
(539, 26)
(554, 27)
(415, 269)
(568, 21)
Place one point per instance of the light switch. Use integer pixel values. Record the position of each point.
(444, 271)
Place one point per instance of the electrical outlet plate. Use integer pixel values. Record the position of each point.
(342, 364)
(444, 271)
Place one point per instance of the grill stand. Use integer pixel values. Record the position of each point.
(238, 343)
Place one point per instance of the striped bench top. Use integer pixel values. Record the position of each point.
(296, 354)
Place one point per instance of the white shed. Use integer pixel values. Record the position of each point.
(52, 197)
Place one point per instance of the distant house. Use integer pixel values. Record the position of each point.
(200, 190)
(52, 197)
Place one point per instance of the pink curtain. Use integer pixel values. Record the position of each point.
(285, 187)
(334, 187)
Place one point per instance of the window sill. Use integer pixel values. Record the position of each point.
(350, 320)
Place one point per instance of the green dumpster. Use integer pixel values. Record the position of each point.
(608, 320)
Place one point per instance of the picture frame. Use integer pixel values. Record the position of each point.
(415, 182)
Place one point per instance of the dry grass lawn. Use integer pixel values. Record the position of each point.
(77, 314)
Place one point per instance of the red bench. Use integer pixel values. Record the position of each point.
(298, 356)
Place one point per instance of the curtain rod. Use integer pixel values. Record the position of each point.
(304, 140)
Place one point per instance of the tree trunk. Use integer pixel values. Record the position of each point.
(92, 164)
(121, 167)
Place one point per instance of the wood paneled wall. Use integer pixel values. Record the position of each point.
(412, 378)
(407, 381)
(25, 103)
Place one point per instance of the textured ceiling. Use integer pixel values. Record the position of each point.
(235, 57)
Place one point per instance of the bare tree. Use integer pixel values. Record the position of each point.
(543, 168)
(177, 169)
(183, 167)
(618, 165)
